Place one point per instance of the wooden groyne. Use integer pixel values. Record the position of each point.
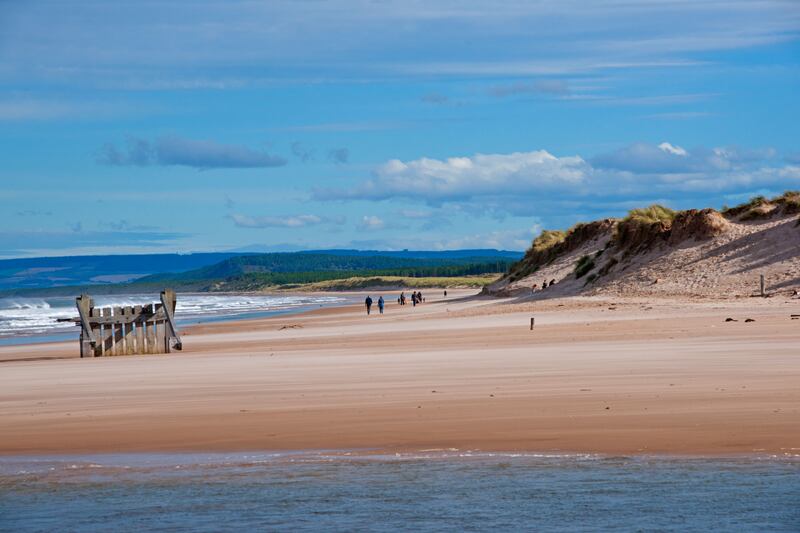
(128, 330)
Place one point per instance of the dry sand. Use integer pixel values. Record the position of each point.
(596, 375)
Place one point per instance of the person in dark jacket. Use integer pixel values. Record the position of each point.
(380, 304)
(368, 303)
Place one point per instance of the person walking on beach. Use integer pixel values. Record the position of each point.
(445, 293)
(368, 303)
(380, 304)
(414, 299)
(402, 298)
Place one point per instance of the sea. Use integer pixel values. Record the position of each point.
(25, 320)
(428, 491)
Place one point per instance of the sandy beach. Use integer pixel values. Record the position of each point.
(615, 376)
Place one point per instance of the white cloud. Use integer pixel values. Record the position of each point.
(372, 222)
(543, 86)
(38, 109)
(291, 221)
(666, 158)
(675, 150)
(678, 115)
(415, 214)
(500, 240)
(457, 177)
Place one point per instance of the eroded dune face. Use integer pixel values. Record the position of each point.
(698, 225)
(699, 253)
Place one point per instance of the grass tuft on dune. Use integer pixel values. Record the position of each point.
(650, 215)
(547, 239)
(642, 225)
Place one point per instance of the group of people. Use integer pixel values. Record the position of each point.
(544, 285)
(416, 298)
(368, 303)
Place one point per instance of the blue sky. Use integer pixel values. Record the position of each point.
(193, 126)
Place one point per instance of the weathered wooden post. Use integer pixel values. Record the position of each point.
(532, 322)
(169, 303)
(97, 331)
(763, 294)
(150, 329)
(88, 340)
(108, 331)
(137, 313)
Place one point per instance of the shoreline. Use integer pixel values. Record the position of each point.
(465, 373)
(205, 457)
(66, 334)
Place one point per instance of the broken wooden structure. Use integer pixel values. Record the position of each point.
(139, 329)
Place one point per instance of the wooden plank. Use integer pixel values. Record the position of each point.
(119, 333)
(125, 328)
(163, 329)
(169, 302)
(101, 320)
(97, 333)
(145, 346)
(160, 329)
(139, 333)
(108, 333)
(130, 338)
(150, 333)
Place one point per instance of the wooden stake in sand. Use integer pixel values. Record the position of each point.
(532, 321)
(762, 286)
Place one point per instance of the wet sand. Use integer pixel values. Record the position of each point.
(595, 375)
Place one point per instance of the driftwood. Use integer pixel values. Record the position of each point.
(140, 329)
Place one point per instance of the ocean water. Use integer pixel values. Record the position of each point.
(36, 319)
(437, 491)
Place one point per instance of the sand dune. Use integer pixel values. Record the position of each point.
(722, 261)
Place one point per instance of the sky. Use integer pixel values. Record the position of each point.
(175, 126)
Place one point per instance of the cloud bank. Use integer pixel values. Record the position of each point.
(232, 46)
(26, 242)
(179, 151)
(531, 183)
